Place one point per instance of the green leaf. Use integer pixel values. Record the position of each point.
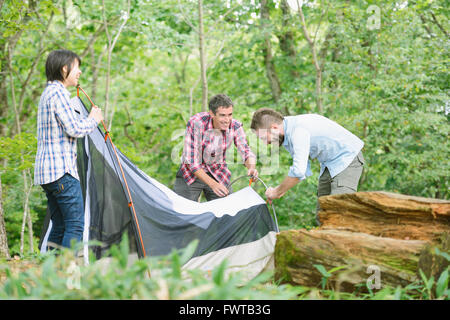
(442, 254)
(442, 284)
(337, 269)
(218, 273)
(322, 270)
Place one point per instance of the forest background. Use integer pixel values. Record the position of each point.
(379, 68)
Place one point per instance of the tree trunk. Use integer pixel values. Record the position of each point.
(297, 251)
(393, 234)
(386, 214)
(201, 40)
(312, 45)
(4, 250)
(267, 53)
(111, 44)
(286, 37)
(26, 213)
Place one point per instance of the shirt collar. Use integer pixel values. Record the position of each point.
(210, 123)
(211, 127)
(285, 129)
(58, 84)
(55, 82)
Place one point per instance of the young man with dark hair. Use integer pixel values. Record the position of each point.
(208, 136)
(58, 126)
(311, 136)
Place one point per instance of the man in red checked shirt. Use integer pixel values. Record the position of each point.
(208, 136)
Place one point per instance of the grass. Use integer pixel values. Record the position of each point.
(61, 277)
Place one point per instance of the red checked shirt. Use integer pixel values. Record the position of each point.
(206, 148)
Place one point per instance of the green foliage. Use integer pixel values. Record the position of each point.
(389, 86)
(122, 276)
(117, 277)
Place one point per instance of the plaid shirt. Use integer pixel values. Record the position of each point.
(58, 126)
(205, 148)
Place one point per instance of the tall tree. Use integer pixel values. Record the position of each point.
(287, 40)
(312, 42)
(4, 249)
(110, 47)
(201, 47)
(267, 52)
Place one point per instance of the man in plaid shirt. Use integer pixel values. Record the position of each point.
(208, 136)
(58, 126)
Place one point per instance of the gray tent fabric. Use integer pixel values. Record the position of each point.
(238, 228)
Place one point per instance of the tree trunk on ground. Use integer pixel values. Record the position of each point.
(4, 250)
(386, 214)
(267, 53)
(397, 235)
(297, 251)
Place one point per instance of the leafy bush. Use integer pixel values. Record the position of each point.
(115, 277)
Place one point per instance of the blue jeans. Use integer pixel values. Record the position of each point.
(65, 201)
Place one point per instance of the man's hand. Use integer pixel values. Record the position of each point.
(272, 193)
(219, 189)
(253, 173)
(278, 192)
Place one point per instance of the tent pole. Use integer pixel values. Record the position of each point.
(130, 204)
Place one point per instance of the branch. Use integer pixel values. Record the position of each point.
(92, 41)
(34, 64)
(439, 25)
(108, 36)
(424, 22)
(185, 18)
(320, 21)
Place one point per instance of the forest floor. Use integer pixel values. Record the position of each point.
(16, 266)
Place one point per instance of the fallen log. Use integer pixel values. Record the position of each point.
(297, 251)
(386, 214)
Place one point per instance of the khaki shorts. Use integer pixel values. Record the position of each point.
(345, 182)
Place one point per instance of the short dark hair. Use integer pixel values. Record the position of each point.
(263, 118)
(56, 60)
(219, 100)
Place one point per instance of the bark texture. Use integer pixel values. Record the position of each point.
(386, 214)
(393, 233)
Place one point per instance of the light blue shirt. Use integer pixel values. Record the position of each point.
(314, 136)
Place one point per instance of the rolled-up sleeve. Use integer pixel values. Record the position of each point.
(192, 151)
(240, 141)
(73, 125)
(300, 142)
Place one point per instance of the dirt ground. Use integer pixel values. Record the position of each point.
(16, 266)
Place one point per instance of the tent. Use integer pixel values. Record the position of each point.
(120, 198)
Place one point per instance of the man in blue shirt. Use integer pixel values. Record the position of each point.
(312, 136)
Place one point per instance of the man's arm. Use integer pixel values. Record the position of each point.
(299, 169)
(278, 192)
(217, 187)
(247, 155)
(250, 164)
